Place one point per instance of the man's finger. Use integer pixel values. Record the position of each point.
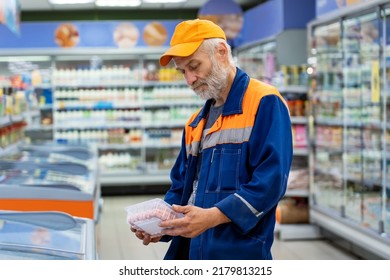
(146, 239)
(180, 209)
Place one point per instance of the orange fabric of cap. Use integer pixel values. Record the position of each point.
(188, 36)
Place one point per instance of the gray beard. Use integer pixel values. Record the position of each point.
(216, 82)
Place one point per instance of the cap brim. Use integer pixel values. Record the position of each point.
(182, 50)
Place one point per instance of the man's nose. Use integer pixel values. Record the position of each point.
(190, 78)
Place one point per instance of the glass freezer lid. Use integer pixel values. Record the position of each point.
(39, 176)
(79, 152)
(48, 157)
(41, 235)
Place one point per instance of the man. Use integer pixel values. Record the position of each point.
(235, 158)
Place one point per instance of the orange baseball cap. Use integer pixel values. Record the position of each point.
(188, 36)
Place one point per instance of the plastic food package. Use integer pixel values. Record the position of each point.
(146, 216)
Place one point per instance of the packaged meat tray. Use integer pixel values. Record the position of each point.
(146, 216)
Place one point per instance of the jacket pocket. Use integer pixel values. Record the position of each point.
(224, 171)
(224, 242)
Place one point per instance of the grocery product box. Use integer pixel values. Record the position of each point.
(146, 216)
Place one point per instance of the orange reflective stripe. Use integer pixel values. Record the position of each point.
(84, 209)
(255, 92)
(194, 135)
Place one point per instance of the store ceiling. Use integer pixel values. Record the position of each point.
(43, 5)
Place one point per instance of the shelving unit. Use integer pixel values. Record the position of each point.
(22, 81)
(14, 117)
(130, 109)
(350, 191)
(119, 101)
(41, 128)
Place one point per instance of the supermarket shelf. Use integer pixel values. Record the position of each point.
(105, 125)
(297, 193)
(17, 118)
(93, 125)
(328, 121)
(127, 178)
(297, 231)
(301, 152)
(164, 83)
(94, 106)
(173, 145)
(96, 84)
(299, 120)
(32, 113)
(9, 149)
(294, 89)
(39, 127)
(170, 103)
(168, 124)
(4, 121)
(119, 146)
(46, 107)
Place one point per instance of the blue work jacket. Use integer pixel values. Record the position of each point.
(246, 159)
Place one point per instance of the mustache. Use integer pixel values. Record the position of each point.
(198, 84)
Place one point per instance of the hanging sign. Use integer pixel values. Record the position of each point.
(225, 13)
(79, 34)
(10, 14)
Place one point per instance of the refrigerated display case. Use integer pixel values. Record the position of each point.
(349, 100)
(46, 236)
(51, 177)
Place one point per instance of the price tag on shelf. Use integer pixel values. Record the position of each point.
(375, 82)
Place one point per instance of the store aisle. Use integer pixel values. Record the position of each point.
(116, 242)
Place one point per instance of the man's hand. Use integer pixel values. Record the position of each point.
(195, 221)
(146, 238)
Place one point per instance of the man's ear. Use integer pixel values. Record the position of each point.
(222, 50)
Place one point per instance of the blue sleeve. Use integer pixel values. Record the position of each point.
(178, 172)
(270, 156)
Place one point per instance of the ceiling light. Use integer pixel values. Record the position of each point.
(163, 1)
(24, 58)
(118, 3)
(69, 2)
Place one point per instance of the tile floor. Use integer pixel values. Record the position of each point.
(115, 241)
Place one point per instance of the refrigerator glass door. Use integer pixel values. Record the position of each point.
(362, 119)
(386, 116)
(327, 167)
(260, 62)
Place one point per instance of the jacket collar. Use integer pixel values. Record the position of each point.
(233, 104)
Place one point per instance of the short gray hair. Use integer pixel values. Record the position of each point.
(209, 46)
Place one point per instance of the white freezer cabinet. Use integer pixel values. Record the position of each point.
(32, 181)
(55, 152)
(46, 236)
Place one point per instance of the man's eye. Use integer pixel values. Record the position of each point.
(193, 67)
